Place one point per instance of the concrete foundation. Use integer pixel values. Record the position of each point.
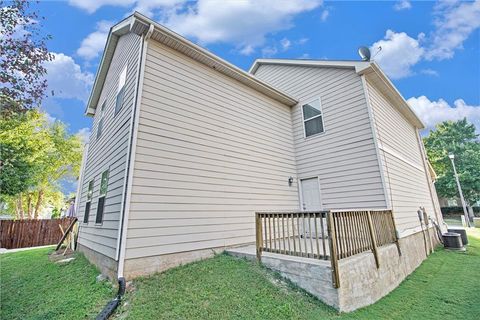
(148, 265)
(106, 265)
(361, 283)
(312, 275)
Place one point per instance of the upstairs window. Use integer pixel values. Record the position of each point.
(312, 118)
(121, 90)
(89, 202)
(100, 122)
(101, 197)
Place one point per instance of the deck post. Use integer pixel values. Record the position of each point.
(259, 236)
(333, 250)
(372, 238)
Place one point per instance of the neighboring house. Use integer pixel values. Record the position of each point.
(186, 147)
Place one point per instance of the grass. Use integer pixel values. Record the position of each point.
(446, 286)
(33, 287)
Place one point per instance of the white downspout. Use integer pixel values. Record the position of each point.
(80, 179)
(130, 165)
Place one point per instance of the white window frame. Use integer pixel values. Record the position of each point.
(100, 195)
(314, 117)
(101, 120)
(122, 81)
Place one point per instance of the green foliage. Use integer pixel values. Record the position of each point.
(23, 53)
(229, 288)
(22, 143)
(458, 138)
(445, 286)
(33, 287)
(36, 155)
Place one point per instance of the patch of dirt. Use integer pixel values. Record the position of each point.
(58, 255)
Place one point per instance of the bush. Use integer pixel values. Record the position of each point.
(453, 211)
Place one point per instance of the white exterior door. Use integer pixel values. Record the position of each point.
(310, 195)
(310, 202)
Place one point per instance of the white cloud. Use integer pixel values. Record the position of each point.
(302, 41)
(247, 50)
(146, 7)
(285, 43)
(93, 5)
(454, 22)
(268, 52)
(84, 135)
(243, 22)
(150, 7)
(402, 5)
(66, 79)
(433, 112)
(324, 15)
(429, 72)
(399, 53)
(94, 43)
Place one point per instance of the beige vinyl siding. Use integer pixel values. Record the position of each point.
(210, 152)
(407, 183)
(110, 151)
(344, 156)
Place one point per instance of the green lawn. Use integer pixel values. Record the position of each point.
(33, 287)
(445, 286)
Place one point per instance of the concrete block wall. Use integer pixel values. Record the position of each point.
(362, 284)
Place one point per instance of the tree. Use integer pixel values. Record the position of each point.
(458, 138)
(40, 155)
(23, 53)
(62, 161)
(23, 139)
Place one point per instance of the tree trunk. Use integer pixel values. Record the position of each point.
(29, 206)
(17, 210)
(20, 207)
(39, 203)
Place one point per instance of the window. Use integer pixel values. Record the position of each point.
(100, 122)
(89, 201)
(312, 118)
(101, 197)
(121, 90)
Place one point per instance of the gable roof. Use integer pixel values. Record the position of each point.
(370, 69)
(141, 25)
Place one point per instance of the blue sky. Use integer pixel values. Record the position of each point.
(430, 50)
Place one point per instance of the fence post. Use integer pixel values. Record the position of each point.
(259, 236)
(373, 239)
(333, 250)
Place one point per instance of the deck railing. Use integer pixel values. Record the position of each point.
(301, 234)
(327, 235)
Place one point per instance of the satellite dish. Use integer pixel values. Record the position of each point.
(364, 53)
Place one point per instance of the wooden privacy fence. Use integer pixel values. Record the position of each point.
(31, 233)
(328, 235)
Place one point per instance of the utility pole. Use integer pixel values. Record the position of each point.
(465, 212)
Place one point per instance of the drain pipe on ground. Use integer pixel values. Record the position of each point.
(109, 309)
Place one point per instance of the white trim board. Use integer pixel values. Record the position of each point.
(397, 155)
